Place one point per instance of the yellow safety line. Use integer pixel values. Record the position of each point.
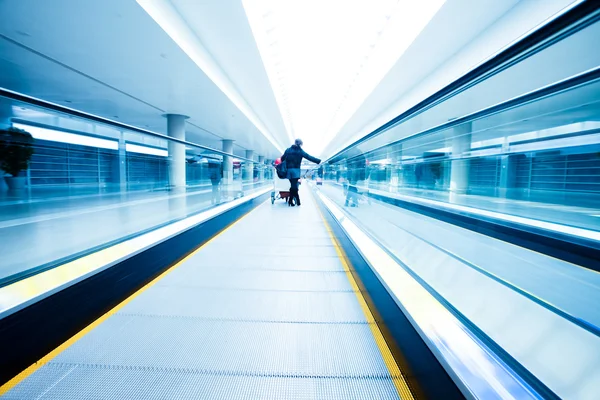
(48, 357)
(397, 377)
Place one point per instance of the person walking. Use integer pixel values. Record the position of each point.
(356, 164)
(215, 172)
(293, 158)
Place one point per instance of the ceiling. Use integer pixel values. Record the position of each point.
(324, 57)
(119, 60)
(109, 58)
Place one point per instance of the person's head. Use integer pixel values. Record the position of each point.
(298, 142)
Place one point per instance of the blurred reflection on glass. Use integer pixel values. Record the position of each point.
(539, 160)
(89, 184)
(356, 165)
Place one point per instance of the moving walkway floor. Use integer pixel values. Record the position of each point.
(265, 310)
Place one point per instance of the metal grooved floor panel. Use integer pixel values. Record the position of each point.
(265, 311)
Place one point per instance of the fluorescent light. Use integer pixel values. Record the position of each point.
(385, 161)
(65, 137)
(323, 58)
(561, 143)
(488, 142)
(555, 131)
(135, 148)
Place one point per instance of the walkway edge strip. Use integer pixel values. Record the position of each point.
(477, 372)
(396, 375)
(48, 357)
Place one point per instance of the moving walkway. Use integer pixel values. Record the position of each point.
(252, 300)
(267, 308)
(262, 301)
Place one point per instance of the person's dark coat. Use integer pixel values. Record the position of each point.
(293, 158)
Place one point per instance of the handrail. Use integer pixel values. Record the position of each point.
(567, 24)
(81, 114)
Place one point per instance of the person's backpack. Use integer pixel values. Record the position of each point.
(281, 170)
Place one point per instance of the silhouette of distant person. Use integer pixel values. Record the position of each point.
(419, 173)
(356, 165)
(215, 173)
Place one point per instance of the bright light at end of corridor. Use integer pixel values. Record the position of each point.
(324, 57)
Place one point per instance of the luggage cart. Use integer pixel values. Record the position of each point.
(281, 189)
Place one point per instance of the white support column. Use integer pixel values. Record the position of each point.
(228, 162)
(461, 143)
(249, 170)
(176, 129)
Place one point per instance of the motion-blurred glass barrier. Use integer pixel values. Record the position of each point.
(539, 159)
(521, 139)
(89, 184)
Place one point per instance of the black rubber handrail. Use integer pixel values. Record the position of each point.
(567, 24)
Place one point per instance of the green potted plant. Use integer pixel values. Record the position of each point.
(16, 149)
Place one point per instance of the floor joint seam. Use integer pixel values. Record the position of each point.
(331, 271)
(213, 372)
(234, 289)
(244, 320)
(225, 245)
(258, 255)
